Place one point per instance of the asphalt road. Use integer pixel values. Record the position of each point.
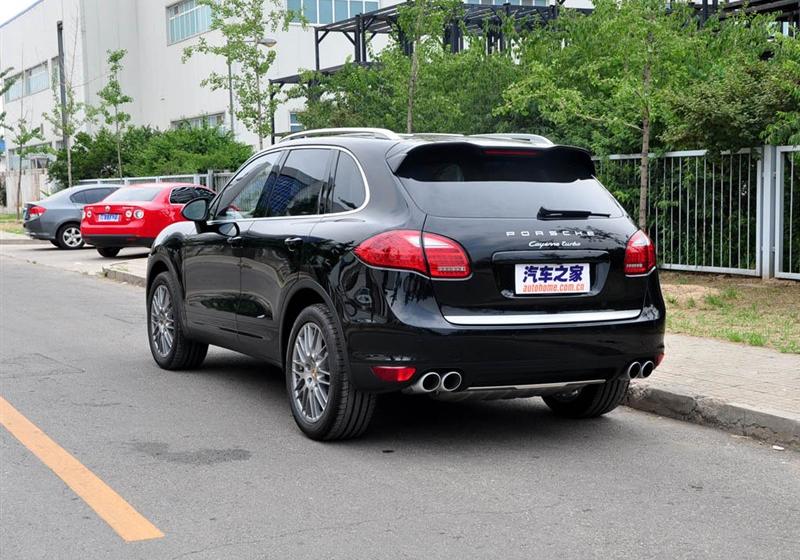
(213, 459)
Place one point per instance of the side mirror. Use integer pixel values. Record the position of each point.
(196, 210)
(228, 229)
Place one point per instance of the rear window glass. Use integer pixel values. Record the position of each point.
(476, 182)
(134, 194)
(182, 195)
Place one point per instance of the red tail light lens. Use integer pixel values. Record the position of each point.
(640, 254)
(36, 211)
(426, 253)
(396, 374)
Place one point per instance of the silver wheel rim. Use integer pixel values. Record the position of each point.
(162, 323)
(72, 237)
(311, 378)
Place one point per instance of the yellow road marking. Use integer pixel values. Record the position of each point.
(110, 506)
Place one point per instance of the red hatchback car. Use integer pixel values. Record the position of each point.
(133, 216)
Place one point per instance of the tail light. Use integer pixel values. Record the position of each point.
(128, 214)
(36, 211)
(89, 213)
(426, 253)
(138, 213)
(640, 254)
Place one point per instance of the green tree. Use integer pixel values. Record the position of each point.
(242, 24)
(23, 136)
(112, 98)
(67, 120)
(5, 85)
(608, 76)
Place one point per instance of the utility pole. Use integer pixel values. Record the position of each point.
(62, 87)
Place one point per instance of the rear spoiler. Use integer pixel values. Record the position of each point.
(577, 160)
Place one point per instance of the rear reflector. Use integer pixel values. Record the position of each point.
(36, 211)
(659, 359)
(640, 255)
(396, 374)
(426, 253)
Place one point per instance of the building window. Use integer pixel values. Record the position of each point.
(54, 71)
(216, 120)
(36, 79)
(187, 19)
(15, 91)
(294, 123)
(329, 11)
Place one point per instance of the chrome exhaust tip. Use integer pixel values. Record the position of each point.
(451, 381)
(634, 370)
(647, 368)
(428, 383)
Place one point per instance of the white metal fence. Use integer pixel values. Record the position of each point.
(215, 180)
(733, 213)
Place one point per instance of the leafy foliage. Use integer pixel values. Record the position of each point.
(243, 23)
(111, 101)
(146, 152)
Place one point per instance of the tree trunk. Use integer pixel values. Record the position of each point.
(260, 110)
(412, 79)
(19, 184)
(644, 165)
(119, 151)
(68, 147)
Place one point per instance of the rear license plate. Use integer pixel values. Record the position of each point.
(108, 217)
(571, 278)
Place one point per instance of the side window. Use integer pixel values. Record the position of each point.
(296, 192)
(78, 198)
(95, 195)
(348, 192)
(241, 197)
(182, 195)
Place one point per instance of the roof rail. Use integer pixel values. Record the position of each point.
(382, 133)
(532, 138)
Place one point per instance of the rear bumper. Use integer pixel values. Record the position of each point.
(413, 332)
(116, 240)
(35, 230)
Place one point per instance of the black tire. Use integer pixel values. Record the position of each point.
(183, 353)
(55, 243)
(109, 252)
(591, 401)
(69, 237)
(348, 411)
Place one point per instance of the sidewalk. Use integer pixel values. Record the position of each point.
(744, 390)
(8, 238)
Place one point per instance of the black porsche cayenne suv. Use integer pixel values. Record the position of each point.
(363, 261)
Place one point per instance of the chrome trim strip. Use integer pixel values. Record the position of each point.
(382, 133)
(561, 385)
(543, 318)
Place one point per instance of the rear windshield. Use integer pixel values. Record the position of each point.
(474, 182)
(133, 194)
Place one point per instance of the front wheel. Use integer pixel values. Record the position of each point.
(108, 252)
(589, 401)
(324, 402)
(170, 346)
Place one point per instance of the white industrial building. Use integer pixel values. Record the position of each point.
(165, 89)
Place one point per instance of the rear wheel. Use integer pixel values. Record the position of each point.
(169, 344)
(108, 251)
(589, 401)
(55, 243)
(69, 237)
(324, 402)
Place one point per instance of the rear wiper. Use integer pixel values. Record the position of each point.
(549, 214)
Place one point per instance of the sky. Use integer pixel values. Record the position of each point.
(10, 8)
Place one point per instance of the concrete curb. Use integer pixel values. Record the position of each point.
(676, 402)
(123, 276)
(663, 399)
(25, 241)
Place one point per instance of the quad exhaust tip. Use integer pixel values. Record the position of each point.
(433, 381)
(634, 370)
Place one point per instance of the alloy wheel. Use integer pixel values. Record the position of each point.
(311, 378)
(72, 237)
(162, 321)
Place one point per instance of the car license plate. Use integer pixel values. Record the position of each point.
(108, 217)
(568, 278)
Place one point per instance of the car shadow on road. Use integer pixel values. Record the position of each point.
(419, 422)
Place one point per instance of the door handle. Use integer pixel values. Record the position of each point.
(293, 242)
(235, 241)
